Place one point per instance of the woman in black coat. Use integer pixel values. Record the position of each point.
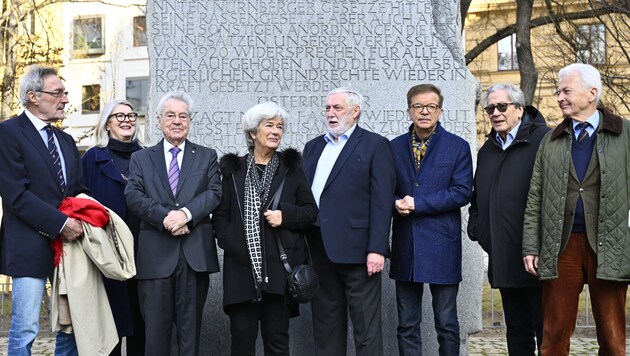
(105, 171)
(247, 228)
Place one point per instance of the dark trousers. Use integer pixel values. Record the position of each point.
(444, 302)
(177, 299)
(135, 342)
(272, 314)
(345, 288)
(522, 308)
(577, 265)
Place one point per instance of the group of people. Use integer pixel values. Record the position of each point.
(545, 204)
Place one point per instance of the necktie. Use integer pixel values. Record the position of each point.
(54, 154)
(173, 170)
(583, 133)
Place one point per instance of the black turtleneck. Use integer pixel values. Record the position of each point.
(120, 152)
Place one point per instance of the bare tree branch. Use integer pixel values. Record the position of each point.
(537, 22)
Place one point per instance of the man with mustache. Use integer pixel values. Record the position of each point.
(352, 178)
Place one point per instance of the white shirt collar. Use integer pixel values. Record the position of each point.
(346, 135)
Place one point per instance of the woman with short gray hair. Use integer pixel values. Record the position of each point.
(266, 198)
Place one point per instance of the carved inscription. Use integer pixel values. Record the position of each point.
(232, 54)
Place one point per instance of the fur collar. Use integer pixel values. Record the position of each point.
(231, 162)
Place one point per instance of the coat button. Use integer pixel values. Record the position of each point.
(416, 184)
(177, 204)
(601, 244)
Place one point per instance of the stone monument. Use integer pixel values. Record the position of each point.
(230, 55)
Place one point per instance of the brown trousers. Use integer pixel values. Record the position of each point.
(577, 265)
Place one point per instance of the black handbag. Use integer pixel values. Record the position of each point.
(303, 281)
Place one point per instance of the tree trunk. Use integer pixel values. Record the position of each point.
(526, 66)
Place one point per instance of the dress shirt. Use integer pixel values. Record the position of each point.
(593, 121)
(168, 156)
(327, 161)
(40, 127)
(510, 136)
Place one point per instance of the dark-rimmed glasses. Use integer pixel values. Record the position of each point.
(54, 94)
(431, 108)
(120, 117)
(502, 107)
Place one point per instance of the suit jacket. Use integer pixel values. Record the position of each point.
(355, 208)
(427, 245)
(30, 196)
(149, 196)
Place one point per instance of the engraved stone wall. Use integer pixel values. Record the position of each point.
(230, 55)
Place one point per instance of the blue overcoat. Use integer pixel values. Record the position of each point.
(427, 245)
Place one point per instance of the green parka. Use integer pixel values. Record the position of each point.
(548, 222)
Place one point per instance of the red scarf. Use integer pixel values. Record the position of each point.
(87, 210)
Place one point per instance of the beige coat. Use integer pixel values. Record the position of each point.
(79, 277)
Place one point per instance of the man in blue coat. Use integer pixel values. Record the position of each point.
(434, 180)
(352, 178)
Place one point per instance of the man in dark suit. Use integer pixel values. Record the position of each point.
(176, 249)
(39, 167)
(352, 178)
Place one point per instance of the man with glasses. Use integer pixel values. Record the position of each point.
(433, 181)
(504, 170)
(577, 219)
(173, 188)
(39, 167)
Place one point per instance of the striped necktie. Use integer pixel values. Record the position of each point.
(173, 170)
(54, 154)
(583, 133)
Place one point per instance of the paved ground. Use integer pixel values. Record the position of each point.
(477, 346)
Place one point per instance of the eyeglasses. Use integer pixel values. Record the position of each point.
(431, 108)
(171, 116)
(54, 94)
(501, 106)
(120, 117)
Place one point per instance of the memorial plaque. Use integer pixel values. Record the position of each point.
(231, 55)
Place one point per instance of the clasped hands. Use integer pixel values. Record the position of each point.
(176, 222)
(405, 206)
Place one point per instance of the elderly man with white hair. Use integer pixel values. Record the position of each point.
(576, 221)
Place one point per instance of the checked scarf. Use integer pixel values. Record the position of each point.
(256, 192)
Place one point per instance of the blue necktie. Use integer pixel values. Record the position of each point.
(54, 154)
(173, 170)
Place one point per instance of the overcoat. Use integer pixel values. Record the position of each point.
(499, 197)
(299, 211)
(427, 244)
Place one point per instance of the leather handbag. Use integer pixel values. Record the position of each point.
(303, 281)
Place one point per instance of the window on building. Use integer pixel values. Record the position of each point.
(137, 94)
(591, 44)
(139, 31)
(88, 36)
(91, 99)
(507, 53)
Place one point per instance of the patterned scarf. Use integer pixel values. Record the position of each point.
(256, 192)
(419, 147)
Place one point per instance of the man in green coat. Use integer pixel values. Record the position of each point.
(576, 227)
